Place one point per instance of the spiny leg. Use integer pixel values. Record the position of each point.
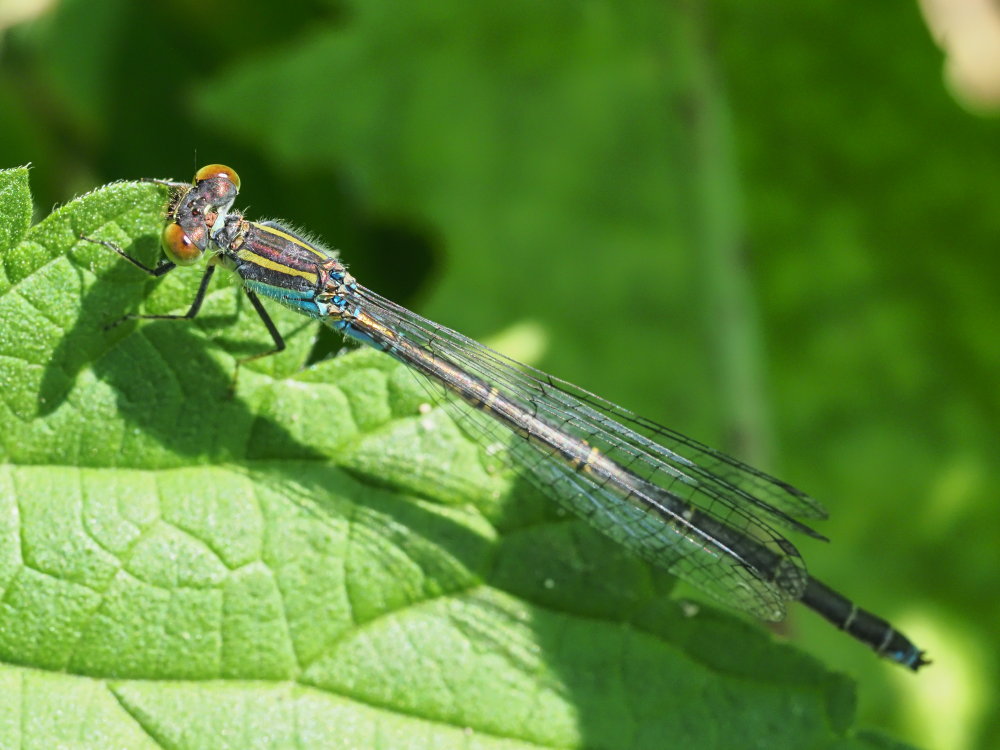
(165, 267)
(199, 296)
(161, 269)
(166, 183)
(279, 342)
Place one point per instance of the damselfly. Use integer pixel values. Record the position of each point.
(700, 514)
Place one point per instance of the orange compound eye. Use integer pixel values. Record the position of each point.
(217, 170)
(179, 248)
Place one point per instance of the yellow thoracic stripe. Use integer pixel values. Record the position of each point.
(279, 267)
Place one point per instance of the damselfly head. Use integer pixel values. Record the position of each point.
(198, 212)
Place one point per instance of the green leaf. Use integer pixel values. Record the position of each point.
(317, 560)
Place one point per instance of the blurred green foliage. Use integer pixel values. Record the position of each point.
(770, 228)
